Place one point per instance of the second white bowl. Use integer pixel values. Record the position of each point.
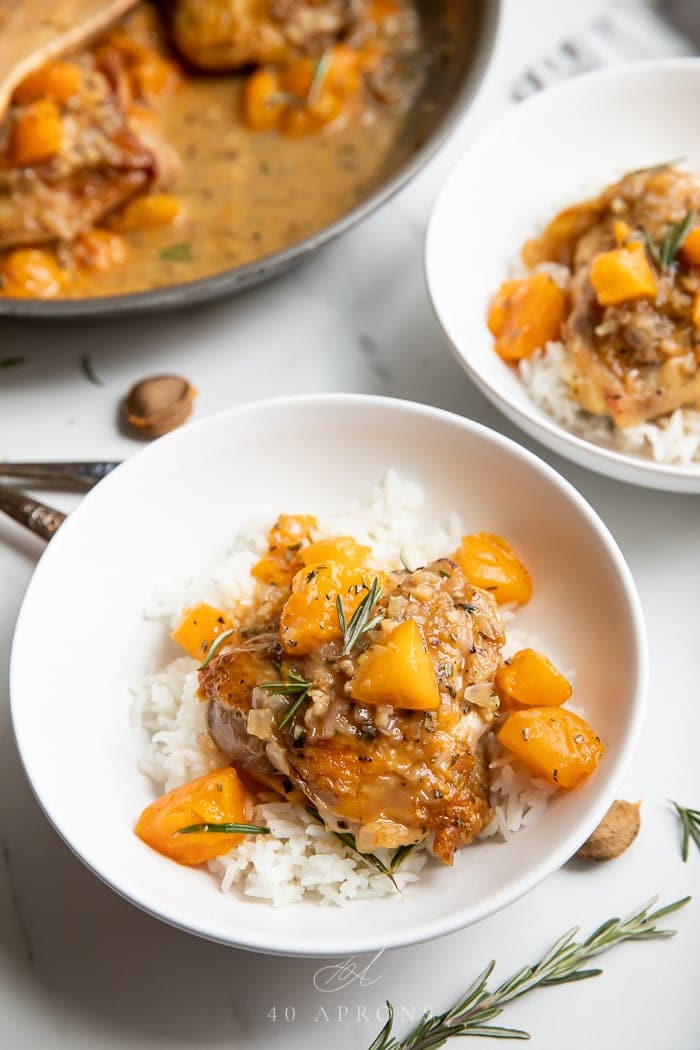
(559, 147)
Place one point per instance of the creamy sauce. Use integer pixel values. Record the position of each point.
(244, 194)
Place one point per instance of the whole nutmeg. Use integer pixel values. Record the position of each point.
(158, 404)
(617, 830)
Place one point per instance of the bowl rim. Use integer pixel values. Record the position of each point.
(265, 942)
(236, 278)
(607, 461)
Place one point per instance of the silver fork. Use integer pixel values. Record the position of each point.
(625, 35)
(40, 518)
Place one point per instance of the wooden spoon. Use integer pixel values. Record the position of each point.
(32, 32)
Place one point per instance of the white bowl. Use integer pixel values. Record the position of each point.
(561, 146)
(174, 507)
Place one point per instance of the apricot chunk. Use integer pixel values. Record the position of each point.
(36, 135)
(284, 541)
(215, 798)
(526, 315)
(690, 249)
(623, 275)
(555, 744)
(310, 616)
(30, 273)
(58, 81)
(398, 671)
(199, 627)
(531, 679)
(490, 562)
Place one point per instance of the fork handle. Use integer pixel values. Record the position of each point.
(80, 475)
(42, 520)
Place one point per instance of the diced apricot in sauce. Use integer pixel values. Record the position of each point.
(690, 249)
(560, 235)
(30, 273)
(145, 213)
(310, 616)
(398, 671)
(37, 134)
(490, 562)
(260, 101)
(215, 798)
(553, 743)
(343, 550)
(100, 249)
(531, 679)
(58, 81)
(285, 541)
(623, 275)
(199, 627)
(696, 312)
(525, 315)
(152, 77)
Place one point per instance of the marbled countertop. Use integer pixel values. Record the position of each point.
(79, 967)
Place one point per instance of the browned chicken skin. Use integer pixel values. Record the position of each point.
(390, 777)
(638, 360)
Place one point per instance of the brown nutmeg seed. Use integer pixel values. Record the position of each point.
(616, 832)
(158, 404)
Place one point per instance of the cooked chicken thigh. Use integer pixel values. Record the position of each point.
(388, 776)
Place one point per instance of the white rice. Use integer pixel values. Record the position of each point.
(300, 858)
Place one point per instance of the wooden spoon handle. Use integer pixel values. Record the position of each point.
(33, 32)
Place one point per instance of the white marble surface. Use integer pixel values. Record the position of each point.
(80, 968)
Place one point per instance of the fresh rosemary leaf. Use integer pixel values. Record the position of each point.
(294, 685)
(225, 829)
(369, 858)
(361, 620)
(651, 248)
(181, 252)
(690, 823)
(657, 167)
(561, 964)
(215, 646)
(673, 239)
(293, 708)
(320, 74)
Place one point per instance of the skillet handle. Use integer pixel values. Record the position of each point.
(42, 520)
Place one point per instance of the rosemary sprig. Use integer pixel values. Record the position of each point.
(657, 167)
(294, 685)
(362, 619)
(690, 822)
(215, 646)
(561, 964)
(320, 74)
(180, 252)
(370, 858)
(671, 243)
(225, 829)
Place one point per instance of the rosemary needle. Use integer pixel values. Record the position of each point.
(690, 822)
(563, 963)
(362, 619)
(225, 829)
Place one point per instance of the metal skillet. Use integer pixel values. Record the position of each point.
(459, 35)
